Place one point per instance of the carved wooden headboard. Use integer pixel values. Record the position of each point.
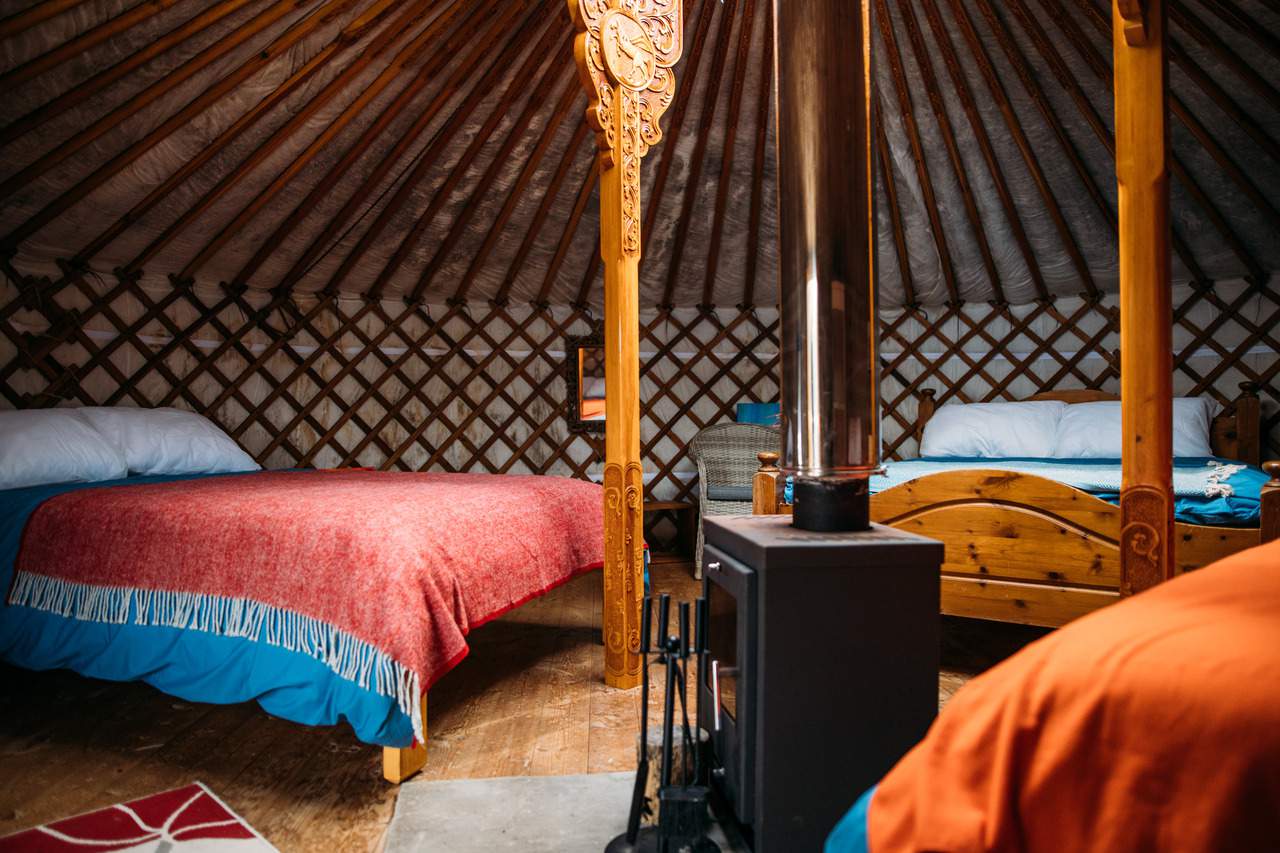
(1236, 433)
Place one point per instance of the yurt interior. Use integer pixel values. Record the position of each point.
(639, 425)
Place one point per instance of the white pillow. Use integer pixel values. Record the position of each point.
(993, 430)
(168, 441)
(1092, 430)
(40, 446)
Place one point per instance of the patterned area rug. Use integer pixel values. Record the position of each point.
(185, 820)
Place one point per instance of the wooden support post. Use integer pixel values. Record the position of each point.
(625, 53)
(1146, 313)
(1270, 530)
(399, 764)
(767, 485)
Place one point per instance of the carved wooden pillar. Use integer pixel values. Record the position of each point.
(1146, 314)
(625, 51)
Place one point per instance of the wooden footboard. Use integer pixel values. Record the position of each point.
(399, 764)
(1021, 548)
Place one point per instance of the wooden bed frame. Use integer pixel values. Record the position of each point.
(1022, 548)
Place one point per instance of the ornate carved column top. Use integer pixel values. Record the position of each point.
(632, 45)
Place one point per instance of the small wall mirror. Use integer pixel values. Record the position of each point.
(584, 379)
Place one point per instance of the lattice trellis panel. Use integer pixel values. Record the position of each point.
(978, 353)
(329, 382)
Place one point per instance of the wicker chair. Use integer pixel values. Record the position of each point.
(726, 457)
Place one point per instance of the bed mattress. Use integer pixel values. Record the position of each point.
(324, 596)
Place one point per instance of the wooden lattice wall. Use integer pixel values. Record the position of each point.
(331, 382)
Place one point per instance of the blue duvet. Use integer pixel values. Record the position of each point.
(1206, 491)
(186, 663)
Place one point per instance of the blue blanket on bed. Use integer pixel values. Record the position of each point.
(1206, 491)
(186, 663)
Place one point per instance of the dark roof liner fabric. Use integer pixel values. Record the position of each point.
(435, 149)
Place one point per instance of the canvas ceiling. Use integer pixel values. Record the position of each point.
(436, 150)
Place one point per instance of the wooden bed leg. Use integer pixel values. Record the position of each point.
(1271, 503)
(400, 764)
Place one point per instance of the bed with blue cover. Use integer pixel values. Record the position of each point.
(1207, 490)
(326, 597)
(1037, 541)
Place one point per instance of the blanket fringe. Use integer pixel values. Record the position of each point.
(1216, 484)
(347, 656)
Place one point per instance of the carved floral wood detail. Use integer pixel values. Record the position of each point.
(1146, 530)
(626, 50)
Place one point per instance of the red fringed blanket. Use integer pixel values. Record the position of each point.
(380, 575)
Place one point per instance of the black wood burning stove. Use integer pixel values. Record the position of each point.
(822, 672)
(823, 665)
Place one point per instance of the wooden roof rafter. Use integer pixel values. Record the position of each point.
(1004, 122)
(1098, 64)
(480, 54)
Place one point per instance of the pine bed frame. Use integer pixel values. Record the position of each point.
(1022, 548)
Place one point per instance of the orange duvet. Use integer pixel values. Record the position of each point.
(1150, 725)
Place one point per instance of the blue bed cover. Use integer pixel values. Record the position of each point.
(186, 663)
(1101, 478)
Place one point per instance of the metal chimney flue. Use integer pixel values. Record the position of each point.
(830, 402)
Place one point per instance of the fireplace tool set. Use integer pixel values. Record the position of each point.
(683, 817)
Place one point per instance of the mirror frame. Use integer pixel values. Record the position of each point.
(572, 346)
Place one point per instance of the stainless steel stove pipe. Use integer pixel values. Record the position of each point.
(830, 401)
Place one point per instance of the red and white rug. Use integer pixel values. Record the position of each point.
(185, 820)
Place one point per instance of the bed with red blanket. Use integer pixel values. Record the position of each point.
(1151, 725)
(325, 596)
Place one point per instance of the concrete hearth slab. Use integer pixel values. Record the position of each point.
(530, 814)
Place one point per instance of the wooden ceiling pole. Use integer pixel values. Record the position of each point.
(740, 62)
(922, 53)
(331, 181)
(516, 193)
(569, 92)
(590, 180)
(486, 50)
(411, 54)
(955, 70)
(344, 41)
(525, 80)
(568, 158)
(298, 122)
(87, 88)
(1223, 52)
(1179, 170)
(26, 19)
(1146, 311)
(756, 207)
(907, 113)
(181, 118)
(625, 57)
(1223, 101)
(86, 40)
(1094, 59)
(693, 178)
(896, 228)
(262, 21)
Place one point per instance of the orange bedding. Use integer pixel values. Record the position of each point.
(1150, 725)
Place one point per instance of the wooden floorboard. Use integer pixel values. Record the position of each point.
(528, 700)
